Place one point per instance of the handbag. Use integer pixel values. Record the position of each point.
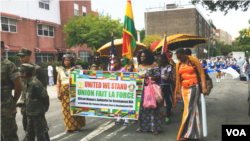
(209, 82)
(157, 93)
(149, 97)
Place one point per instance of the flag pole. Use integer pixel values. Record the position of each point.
(162, 49)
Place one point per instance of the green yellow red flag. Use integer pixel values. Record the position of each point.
(129, 35)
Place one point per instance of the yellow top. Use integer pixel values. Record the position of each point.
(64, 79)
(199, 68)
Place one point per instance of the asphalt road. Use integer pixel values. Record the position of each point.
(227, 104)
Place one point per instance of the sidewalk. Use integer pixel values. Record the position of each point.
(52, 92)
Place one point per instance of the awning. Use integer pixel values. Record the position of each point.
(46, 22)
(65, 50)
(12, 48)
(45, 50)
(11, 16)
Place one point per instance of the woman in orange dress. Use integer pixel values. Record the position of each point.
(72, 123)
(187, 83)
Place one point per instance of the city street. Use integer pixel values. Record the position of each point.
(227, 104)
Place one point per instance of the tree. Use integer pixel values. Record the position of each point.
(225, 49)
(151, 38)
(242, 39)
(142, 34)
(224, 5)
(92, 30)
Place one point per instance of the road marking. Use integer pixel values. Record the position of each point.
(114, 133)
(58, 136)
(66, 137)
(61, 134)
(99, 130)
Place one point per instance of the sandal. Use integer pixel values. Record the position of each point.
(75, 131)
(155, 132)
(138, 131)
(182, 139)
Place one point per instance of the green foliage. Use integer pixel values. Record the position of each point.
(93, 30)
(84, 64)
(242, 39)
(142, 34)
(15, 59)
(220, 48)
(223, 6)
(151, 38)
(217, 52)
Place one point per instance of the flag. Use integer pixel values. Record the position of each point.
(165, 47)
(129, 35)
(112, 54)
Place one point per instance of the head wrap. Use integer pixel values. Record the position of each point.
(70, 56)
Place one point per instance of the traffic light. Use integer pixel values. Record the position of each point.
(247, 33)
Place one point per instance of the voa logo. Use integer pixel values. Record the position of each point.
(236, 132)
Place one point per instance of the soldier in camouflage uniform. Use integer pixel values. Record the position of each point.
(10, 79)
(25, 55)
(36, 104)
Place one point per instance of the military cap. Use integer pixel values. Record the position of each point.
(28, 68)
(24, 52)
(2, 44)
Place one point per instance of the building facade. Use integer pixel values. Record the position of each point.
(223, 36)
(178, 20)
(37, 25)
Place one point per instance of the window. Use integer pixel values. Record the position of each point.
(84, 11)
(76, 9)
(45, 30)
(8, 25)
(44, 57)
(44, 4)
(84, 55)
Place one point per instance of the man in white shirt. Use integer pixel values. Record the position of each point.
(50, 74)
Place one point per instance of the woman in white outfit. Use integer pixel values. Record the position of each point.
(50, 74)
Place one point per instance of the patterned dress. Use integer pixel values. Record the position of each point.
(149, 119)
(71, 122)
(190, 125)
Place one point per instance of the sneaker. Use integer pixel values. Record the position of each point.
(180, 101)
(125, 123)
(167, 121)
(119, 121)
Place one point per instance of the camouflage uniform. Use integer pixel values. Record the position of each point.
(9, 72)
(36, 104)
(41, 76)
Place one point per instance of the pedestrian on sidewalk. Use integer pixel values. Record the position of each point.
(10, 80)
(72, 123)
(50, 74)
(166, 84)
(24, 56)
(246, 70)
(36, 103)
(188, 73)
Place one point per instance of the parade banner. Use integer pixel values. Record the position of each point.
(105, 94)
